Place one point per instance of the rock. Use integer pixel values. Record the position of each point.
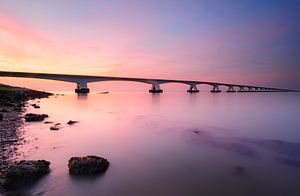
(35, 117)
(71, 122)
(57, 124)
(54, 128)
(24, 172)
(48, 122)
(35, 106)
(89, 165)
(9, 141)
(20, 105)
(4, 110)
(8, 104)
(17, 109)
(1, 116)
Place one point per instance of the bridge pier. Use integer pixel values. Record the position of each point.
(230, 89)
(82, 88)
(215, 89)
(155, 88)
(193, 89)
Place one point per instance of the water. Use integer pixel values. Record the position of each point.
(170, 144)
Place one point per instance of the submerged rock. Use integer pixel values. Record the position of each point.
(48, 122)
(89, 165)
(104, 92)
(24, 172)
(54, 128)
(71, 122)
(35, 117)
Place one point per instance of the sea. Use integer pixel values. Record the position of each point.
(173, 143)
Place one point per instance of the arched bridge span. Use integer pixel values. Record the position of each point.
(83, 80)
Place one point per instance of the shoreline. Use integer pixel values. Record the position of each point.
(12, 106)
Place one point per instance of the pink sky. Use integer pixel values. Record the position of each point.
(144, 41)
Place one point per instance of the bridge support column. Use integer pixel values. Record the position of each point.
(82, 88)
(215, 89)
(193, 89)
(230, 89)
(155, 88)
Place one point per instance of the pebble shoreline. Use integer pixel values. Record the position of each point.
(12, 105)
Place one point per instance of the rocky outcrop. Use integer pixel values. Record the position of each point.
(25, 172)
(89, 165)
(35, 117)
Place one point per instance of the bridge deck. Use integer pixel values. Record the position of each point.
(88, 79)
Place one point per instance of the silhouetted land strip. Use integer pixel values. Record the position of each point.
(12, 103)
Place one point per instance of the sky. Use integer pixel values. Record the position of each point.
(253, 42)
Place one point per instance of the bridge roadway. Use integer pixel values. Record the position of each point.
(83, 80)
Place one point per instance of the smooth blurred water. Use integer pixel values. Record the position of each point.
(170, 144)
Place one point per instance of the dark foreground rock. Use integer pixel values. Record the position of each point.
(24, 172)
(35, 117)
(89, 165)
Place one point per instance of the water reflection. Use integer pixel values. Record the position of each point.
(287, 153)
(171, 143)
(82, 96)
(289, 162)
(155, 99)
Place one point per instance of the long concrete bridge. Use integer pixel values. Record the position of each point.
(83, 80)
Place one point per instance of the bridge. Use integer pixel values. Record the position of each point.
(82, 82)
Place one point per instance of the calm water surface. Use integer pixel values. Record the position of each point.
(170, 144)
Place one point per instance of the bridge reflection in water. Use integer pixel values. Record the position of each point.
(83, 80)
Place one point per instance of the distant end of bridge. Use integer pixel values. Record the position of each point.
(82, 82)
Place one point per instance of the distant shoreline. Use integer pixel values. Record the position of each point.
(12, 105)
